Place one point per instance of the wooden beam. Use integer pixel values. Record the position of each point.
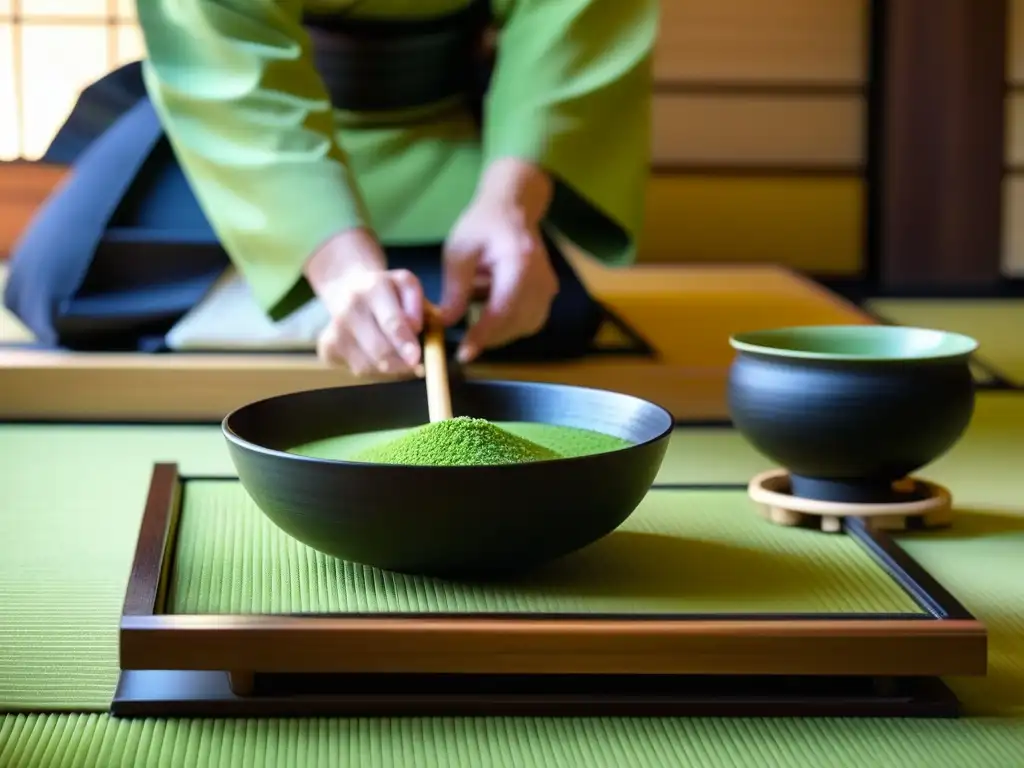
(24, 186)
(941, 153)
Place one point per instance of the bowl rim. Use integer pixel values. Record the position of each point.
(954, 345)
(234, 437)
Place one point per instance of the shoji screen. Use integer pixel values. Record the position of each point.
(1013, 185)
(760, 133)
(50, 50)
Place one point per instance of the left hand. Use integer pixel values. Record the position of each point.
(498, 241)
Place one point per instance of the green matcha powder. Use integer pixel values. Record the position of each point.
(465, 441)
(462, 441)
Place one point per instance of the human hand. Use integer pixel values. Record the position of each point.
(497, 241)
(376, 313)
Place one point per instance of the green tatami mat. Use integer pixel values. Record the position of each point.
(995, 323)
(70, 503)
(680, 552)
(71, 499)
(82, 741)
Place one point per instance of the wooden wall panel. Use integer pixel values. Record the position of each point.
(1015, 43)
(759, 134)
(807, 223)
(766, 41)
(812, 223)
(759, 130)
(1015, 130)
(1013, 227)
(23, 187)
(1013, 186)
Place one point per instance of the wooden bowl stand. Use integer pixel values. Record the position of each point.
(771, 492)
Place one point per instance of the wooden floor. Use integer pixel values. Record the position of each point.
(686, 313)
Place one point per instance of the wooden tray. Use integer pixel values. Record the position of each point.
(471, 663)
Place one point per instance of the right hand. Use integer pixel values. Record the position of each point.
(376, 313)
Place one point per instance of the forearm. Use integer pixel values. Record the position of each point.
(521, 184)
(571, 94)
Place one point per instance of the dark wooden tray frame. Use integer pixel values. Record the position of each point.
(451, 664)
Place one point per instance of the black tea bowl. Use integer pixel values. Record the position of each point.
(451, 521)
(849, 410)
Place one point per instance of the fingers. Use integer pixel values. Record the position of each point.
(496, 327)
(359, 342)
(377, 343)
(497, 321)
(375, 324)
(410, 292)
(522, 288)
(336, 346)
(393, 332)
(460, 270)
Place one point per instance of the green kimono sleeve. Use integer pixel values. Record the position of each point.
(252, 126)
(572, 92)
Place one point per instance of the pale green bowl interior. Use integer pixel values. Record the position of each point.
(868, 343)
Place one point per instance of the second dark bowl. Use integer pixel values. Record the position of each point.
(446, 521)
(848, 410)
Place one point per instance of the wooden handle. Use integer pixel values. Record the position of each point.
(435, 368)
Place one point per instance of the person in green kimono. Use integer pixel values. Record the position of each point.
(349, 151)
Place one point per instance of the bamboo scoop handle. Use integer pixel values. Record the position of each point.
(435, 368)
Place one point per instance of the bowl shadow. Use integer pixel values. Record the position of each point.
(673, 573)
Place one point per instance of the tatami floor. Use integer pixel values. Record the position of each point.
(72, 495)
(998, 325)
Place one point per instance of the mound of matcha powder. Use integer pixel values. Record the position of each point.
(461, 441)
